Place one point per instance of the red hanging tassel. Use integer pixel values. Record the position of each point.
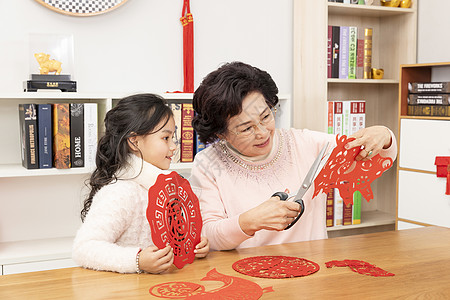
(187, 21)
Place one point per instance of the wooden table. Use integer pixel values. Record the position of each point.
(419, 258)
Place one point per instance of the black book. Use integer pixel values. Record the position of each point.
(77, 135)
(335, 52)
(45, 136)
(29, 135)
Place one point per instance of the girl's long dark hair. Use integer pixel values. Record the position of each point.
(133, 116)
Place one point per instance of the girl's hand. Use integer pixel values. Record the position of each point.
(154, 260)
(272, 214)
(202, 248)
(372, 140)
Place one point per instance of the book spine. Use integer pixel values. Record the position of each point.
(336, 52)
(329, 50)
(77, 135)
(357, 207)
(187, 133)
(338, 117)
(347, 214)
(360, 54)
(176, 110)
(437, 99)
(353, 31)
(29, 135)
(346, 118)
(361, 114)
(90, 134)
(61, 135)
(330, 117)
(429, 87)
(338, 208)
(368, 53)
(429, 110)
(330, 208)
(354, 117)
(44, 118)
(343, 56)
(199, 146)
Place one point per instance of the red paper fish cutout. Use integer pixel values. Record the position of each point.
(343, 172)
(360, 267)
(174, 216)
(234, 288)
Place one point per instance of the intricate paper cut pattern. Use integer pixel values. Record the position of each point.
(234, 288)
(343, 172)
(275, 266)
(174, 216)
(360, 267)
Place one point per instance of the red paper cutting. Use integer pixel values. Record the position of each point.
(234, 288)
(343, 172)
(360, 267)
(187, 21)
(174, 216)
(275, 266)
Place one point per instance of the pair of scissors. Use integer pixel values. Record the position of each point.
(309, 179)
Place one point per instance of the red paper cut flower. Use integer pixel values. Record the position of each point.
(360, 267)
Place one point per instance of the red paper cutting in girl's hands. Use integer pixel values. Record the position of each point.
(360, 267)
(275, 266)
(174, 216)
(343, 172)
(234, 288)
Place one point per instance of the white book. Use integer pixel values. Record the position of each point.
(346, 118)
(90, 134)
(176, 109)
(338, 208)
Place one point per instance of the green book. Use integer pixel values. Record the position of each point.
(357, 207)
(352, 44)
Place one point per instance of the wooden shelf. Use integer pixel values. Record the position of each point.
(368, 219)
(363, 81)
(367, 10)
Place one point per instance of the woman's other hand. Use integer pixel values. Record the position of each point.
(371, 140)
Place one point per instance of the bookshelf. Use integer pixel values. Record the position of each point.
(421, 139)
(40, 209)
(394, 43)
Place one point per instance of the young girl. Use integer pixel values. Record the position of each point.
(136, 148)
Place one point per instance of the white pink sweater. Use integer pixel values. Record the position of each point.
(228, 185)
(116, 225)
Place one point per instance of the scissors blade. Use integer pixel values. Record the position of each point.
(311, 174)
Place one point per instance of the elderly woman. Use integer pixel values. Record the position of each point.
(249, 159)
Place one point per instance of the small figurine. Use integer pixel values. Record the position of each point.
(405, 4)
(47, 65)
(377, 73)
(390, 3)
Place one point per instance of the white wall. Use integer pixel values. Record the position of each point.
(433, 41)
(138, 47)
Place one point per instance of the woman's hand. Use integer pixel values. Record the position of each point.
(154, 260)
(202, 248)
(371, 140)
(272, 214)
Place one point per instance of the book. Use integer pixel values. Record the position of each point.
(429, 87)
(360, 54)
(368, 32)
(187, 132)
(357, 207)
(361, 114)
(330, 208)
(338, 208)
(347, 214)
(45, 139)
(77, 135)
(346, 118)
(352, 44)
(330, 117)
(343, 55)
(199, 146)
(90, 134)
(61, 135)
(429, 110)
(28, 135)
(337, 117)
(419, 99)
(335, 52)
(176, 110)
(354, 117)
(329, 50)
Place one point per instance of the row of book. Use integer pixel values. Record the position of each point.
(360, 2)
(429, 99)
(59, 135)
(349, 52)
(344, 118)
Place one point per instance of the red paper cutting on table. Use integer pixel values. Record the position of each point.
(343, 172)
(275, 266)
(234, 288)
(360, 267)
(174, 216)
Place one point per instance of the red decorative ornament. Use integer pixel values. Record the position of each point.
(187, 21)
(343, 172)
(234, 288)
(360, 267)
(174, 216)
(275, 266)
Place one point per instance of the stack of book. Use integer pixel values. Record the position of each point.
(344, 118)
(186, 138)
(349, 52)
(60, 135)
(429, 99)
(360, 2)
